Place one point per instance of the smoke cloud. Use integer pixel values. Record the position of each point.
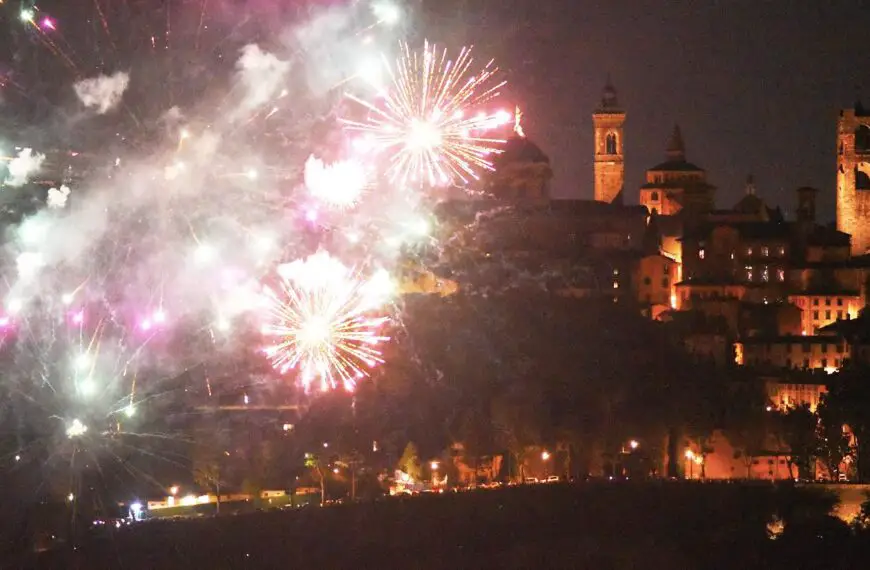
(261, 74)
(57, 197)
(23, 166)
(102, 93)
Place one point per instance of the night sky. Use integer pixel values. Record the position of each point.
(756, 86)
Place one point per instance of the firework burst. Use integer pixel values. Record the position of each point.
(322, 321)
(430, 118)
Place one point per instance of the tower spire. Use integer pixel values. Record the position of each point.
(750, 185)
(609, 101)
(676, 149)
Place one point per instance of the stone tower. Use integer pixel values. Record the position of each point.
(609, 159)
(853, 176)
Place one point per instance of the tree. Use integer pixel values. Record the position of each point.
(410, 462)
(834, 444)
(516, 418)
(849, 394)
(207, 470)
(747, 423)
(797, 427)
(313, 463)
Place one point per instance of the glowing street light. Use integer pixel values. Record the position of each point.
(633, 444)
(434, 465)
(173, 490)
(545, 455)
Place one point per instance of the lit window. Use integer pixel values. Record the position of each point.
(701, 253)
(748, 251)
(748, 269)
(616, 284)
(765, 251)
(780, 274)
(765, 274)
(781, 251)
(616, 271)
(732, 255)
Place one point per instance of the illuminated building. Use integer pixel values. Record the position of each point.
(609, 152)
(853, 176)
(793, 391)
(655, 276)
(676, 184)
(819, 309)
(824, 353)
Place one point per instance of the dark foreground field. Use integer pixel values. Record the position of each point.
(601, 526)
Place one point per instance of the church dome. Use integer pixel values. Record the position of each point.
(519, 149)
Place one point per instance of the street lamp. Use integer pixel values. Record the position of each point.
(633, 444)
(545, 455)
(173, 490)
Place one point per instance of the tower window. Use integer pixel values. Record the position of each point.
(862, 138)
(610, 144)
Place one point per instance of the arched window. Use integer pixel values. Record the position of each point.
(862, 139)
(654, 196)
(610, 144)
(862, 181)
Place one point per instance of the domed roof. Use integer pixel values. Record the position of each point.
(519, 149)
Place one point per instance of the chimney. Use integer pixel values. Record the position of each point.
(806, 210)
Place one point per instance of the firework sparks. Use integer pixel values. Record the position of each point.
(321, 318)
(430, 119)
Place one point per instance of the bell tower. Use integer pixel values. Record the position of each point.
(853, 176)
(609, 157)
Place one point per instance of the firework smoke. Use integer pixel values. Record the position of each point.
(57, 197)
(102, 93)
(23, 166)
(261, 74)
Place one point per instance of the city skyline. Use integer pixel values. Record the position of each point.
(756, 88)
